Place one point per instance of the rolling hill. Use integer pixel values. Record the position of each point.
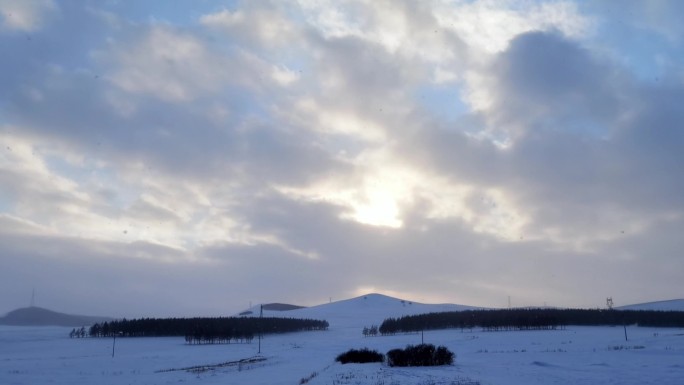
(365, 310)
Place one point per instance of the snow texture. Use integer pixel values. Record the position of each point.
(587, 355)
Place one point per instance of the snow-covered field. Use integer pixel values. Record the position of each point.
(576, 355)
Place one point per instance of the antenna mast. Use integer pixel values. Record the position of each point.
(609, 303)
(33, 297)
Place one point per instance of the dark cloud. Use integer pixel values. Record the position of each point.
(623, 158)
(546, 82)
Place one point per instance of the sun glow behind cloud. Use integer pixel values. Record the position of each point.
(376, 201)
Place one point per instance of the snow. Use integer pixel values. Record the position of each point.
(674, 304)
(366, 310)
(592, 355)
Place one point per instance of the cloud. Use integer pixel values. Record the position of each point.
(557, 83)
(578, 147)
(297, 150)
(566, 115)
(258, 25)
(171, 66)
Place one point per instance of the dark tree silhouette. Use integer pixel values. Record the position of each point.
(360, 356)
(205, 330)
(420, 355)
(530, 319)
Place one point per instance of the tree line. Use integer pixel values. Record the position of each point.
(205, 330)
(530, 319)
(78, 333)
(370, 331)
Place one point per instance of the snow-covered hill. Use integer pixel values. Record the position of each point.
(366, 310)
(673, 304)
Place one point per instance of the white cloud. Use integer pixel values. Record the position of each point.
(259, 25)
(25, 16)
(329, 119)
(170, 65)
(284, 76)
(224, 18)
(488, 26)
(331, 18)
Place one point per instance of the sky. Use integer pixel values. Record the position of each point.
(190, 158)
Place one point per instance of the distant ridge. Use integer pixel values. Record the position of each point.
(37, 316)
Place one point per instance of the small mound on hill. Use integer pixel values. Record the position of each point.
(281, 307)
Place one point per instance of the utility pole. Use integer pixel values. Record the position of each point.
(261, 315)
(114, 344)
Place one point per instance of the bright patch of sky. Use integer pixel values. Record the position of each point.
(639, 35)
(443, 102)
